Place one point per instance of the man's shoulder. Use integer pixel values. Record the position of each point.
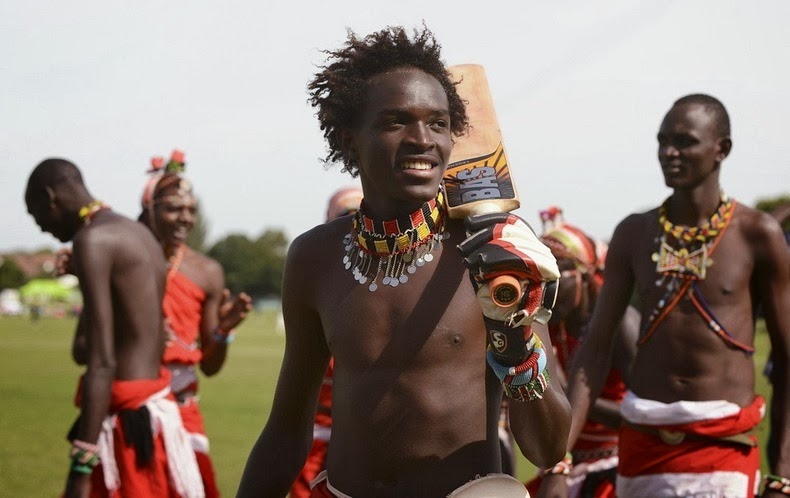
(320, 236)
(757, 225)
(110, 229)
(638, 221)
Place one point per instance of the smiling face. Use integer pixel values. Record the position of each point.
(690, 149)
(402, 141)
(174, 215)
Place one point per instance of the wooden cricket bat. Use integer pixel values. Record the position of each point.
(478, 180)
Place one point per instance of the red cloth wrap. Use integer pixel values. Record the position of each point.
(594, 435)
(644, 454)
(183, 307)
(152, 480)
(130, 394)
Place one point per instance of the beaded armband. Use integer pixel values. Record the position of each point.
(84, 457)
(563, 467)
(223, 337)
(527, 381)
(778, 483)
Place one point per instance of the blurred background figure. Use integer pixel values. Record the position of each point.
(343, 202)
(200, 316)
(581, 261)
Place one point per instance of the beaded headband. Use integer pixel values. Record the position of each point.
(159, 172)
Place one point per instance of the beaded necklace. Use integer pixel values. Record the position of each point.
(690, 257)
(682, 268)
(396, 247)
(174, 263)
(88, 211)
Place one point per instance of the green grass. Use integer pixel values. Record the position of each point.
(37, 381)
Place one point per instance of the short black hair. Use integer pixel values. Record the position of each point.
(339, 90)
(713, 106)
(52, 172)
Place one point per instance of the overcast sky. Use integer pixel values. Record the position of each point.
(580, 89)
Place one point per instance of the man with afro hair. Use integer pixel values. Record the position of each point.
(386, 294)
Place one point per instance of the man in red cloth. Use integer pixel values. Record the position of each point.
(200, 318)
(129, 430)
(700, 265)
(580, 259)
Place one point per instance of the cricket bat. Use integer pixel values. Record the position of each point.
(478, 180)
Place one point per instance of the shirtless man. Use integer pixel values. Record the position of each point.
(700, 264)
(198, 334)
(122, 275)
(415, 406)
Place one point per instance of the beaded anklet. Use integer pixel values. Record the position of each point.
(84, 457)
(778, 483)
(394, 247)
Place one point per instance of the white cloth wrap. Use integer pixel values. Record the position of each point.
(181, 461)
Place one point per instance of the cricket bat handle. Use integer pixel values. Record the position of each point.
(505, 290)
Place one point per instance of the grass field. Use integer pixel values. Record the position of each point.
(37, 380)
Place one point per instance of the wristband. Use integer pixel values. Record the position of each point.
(530, 391)
(527, 371)
(224, 337)
(563, 467)
(777, 483)
(84, 457)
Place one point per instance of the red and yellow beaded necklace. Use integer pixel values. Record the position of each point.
(88, 211)
(685, 251)
(394, 248)
(681, 269)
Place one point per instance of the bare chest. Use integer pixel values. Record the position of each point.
(431, 317)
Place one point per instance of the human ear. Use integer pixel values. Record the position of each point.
(725, 146)
(348, 144)
(51, 196)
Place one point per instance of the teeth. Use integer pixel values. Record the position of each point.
(416, 165)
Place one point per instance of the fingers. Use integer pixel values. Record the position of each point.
(479, 222)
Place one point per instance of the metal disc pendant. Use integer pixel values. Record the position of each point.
(394, 282)
(428, 257)
(403, 279)
(420, 261)
(385, 281)
(372, 287)
(363, 279)
(411, 269)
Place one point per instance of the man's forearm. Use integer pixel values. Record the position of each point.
(272, 466)
(551, 416)
(96, 394)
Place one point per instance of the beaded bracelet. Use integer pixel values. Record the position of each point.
(530, 391)
(563, 467)
(527, 371)
(777, 483)
(84, 457)
(224, 338)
